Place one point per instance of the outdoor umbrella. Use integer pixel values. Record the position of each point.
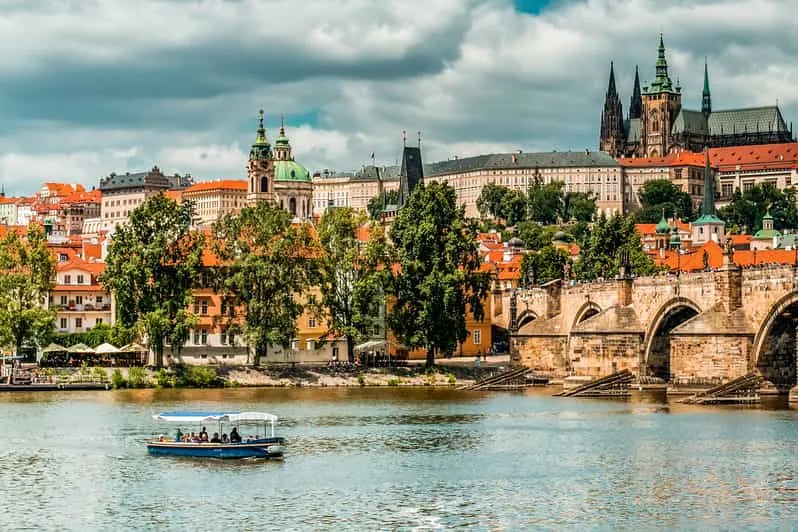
(80, 349)
(106, 348)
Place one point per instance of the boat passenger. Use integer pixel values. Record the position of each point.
(194, 438)
(215, 438)
(203, 436)
(179, 435)
(235, 437)
(225, 439)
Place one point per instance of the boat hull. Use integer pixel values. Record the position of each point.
(265, 448)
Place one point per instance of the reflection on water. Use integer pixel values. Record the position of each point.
(402, 458)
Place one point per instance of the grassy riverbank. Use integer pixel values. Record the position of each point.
(274, 376)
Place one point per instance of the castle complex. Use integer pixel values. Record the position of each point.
(657, 124)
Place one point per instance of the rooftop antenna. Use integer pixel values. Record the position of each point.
(419, 140)
(404, 138)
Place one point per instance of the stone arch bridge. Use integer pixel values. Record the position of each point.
(697, 328)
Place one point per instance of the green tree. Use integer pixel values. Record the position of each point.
(660, 195)
(600, 255)
(579, 206)
(545, 203)
(544, 265)
(439, 279)
(352, 275)
(269, 265)
(380, 201)
(535, 236)
(513, 207)
(153, 264)
(746, 210)
(491, 200)
(27, 270)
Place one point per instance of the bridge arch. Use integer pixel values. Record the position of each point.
(525, 317)
(775, 343)
(586, 311)
(657, 348)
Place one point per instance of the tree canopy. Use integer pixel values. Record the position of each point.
(438, 281)
(269, 265)
(662, 196)
(27, 270)
(352, 275)
(746, 210)
(152, 266)
(600, 254)
(545, 202)
(543, 266)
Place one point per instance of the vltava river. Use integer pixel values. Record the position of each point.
(400, 458)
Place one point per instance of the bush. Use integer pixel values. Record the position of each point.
(164, 379)
(137, 378)
(452, 379)
(99, 374)
(394, 382)
(199, 377)
(361, 380)
(117, 380)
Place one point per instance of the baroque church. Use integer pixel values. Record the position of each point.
(273, 174)
(657, 124)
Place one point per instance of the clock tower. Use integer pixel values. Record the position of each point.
(260, 168)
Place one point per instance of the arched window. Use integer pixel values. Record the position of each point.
(264, 184)
(654, 121)
(292, 206)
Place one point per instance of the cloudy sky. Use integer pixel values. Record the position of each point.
(90, 87)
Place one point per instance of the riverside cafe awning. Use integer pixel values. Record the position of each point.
(376, 352)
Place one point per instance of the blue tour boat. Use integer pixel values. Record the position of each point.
(257, 446)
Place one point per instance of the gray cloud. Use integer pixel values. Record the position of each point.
(101, 87)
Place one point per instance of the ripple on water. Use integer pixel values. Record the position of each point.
(402, 459)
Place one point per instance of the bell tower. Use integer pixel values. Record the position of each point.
(661, 103)
(611, 137)
(260, 168)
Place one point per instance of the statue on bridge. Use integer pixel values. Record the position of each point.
(624, 263)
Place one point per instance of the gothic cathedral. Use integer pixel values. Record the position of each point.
(658, 125)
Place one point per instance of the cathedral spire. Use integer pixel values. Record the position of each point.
(706, 100)
(611, 136)
(611, 85)
(636, 103)
(662, 82)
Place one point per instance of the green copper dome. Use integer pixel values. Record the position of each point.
(291, 171)
(662, 227)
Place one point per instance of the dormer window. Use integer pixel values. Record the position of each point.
(67, 279)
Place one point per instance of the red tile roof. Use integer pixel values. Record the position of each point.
(221, 184)
(683, 158)
(63, 189)
(755, 157)
(693, 260)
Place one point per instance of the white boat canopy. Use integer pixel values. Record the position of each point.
(230, 417)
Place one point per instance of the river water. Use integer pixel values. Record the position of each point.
(392, 458)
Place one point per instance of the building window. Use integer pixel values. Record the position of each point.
(80, 279)
(223, 338)
(204, 337)
(78, 323)
(196, 337)
(312, 322)
(224, 307)
(196, 309)
(67, 279)
(78, 300)
(204, 308)
(99, 299)
(63, 323)
(477, 337)
(98, 321)
(311, 345)
(63, 300)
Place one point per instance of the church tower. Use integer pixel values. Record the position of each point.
(661, 103)
(611, 137)
(260, 168)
